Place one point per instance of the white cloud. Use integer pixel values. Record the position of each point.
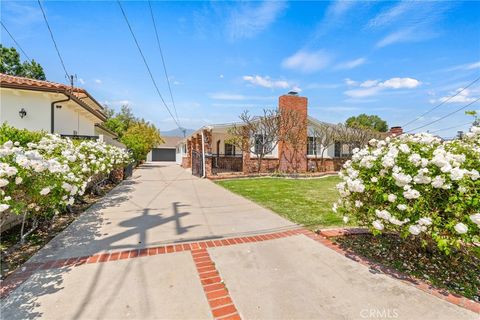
(98, 81)
(81, 81)
(388, 16)
(474, 65)
(373, 87)
(463, 97)
(296, 89)
(249, 20)
(347, 65)
(413, 20)
(403, 35)
(361, 93)
(339, 7)
(334, 15)
(399, 83)
(221, 76)
(467, 66)
(368, 83)
(350, 82)
(237, 97)
(306, 61)
(267, 82)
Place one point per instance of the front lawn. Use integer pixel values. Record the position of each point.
(304, 201)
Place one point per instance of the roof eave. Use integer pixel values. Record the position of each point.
(98, 114)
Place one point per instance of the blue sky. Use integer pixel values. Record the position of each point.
(394, 59)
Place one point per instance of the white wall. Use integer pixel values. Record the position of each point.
(222, 137)
(71, 117)
(36, 104)
(180, 152)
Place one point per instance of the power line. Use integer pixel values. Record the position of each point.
(449, 128)
(443, 102)
(163, 60)
(445, 116)
(146, 64)
(53, 39)
(16, 43)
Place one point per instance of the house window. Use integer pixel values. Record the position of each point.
(338, 151)
(343, 150)
(229, 149)
(260, 143)
(312, 146)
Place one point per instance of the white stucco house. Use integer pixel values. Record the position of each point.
(52, 107)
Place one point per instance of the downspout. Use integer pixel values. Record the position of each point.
(52, 112)
(203, 155)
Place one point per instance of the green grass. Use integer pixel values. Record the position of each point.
(304, 201)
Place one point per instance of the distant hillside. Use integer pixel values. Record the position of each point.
(176, 132)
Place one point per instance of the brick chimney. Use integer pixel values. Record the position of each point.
(291, 160)
(395, 131)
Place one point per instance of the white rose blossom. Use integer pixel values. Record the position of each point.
(461, 228)
(377, 225)
(475, 218)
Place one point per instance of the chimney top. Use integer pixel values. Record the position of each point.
(396, 131)
(293, 93)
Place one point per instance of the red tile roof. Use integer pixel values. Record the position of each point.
(80, 95)
(6, 79)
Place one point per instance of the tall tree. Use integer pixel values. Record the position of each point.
(140, 137)
(121, 121)
(364, 121)
(10, 64)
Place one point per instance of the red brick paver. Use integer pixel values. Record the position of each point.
(220, 302)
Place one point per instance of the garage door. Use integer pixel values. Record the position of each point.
(159, 154)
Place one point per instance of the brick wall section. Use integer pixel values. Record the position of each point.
(292, 160)
(268, 165)
(208, 167)
(187, 160)
(327, 164)
(208, 141)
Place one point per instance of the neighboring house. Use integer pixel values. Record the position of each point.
(166, 151)
(52, 107)
(208, 154)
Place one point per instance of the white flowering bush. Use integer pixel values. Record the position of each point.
(416, 185)
(43, 176)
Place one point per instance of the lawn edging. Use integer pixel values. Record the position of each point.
(323, 236)
(234, 176)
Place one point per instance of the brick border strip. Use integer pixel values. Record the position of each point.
(323, 238)
(218, 297)
(25, 271)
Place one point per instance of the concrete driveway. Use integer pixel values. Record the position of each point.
(167, 245)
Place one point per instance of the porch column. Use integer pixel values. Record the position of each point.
(187, 161)
(208, 140)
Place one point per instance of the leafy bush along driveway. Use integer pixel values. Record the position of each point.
(304, 201)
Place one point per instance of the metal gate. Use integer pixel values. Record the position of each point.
(197, 163)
